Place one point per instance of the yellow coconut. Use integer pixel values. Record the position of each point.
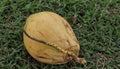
(50, 39)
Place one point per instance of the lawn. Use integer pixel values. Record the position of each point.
(96, 24)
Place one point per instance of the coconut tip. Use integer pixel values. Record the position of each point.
(81, 60)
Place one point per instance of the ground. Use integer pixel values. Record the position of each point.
(96, 24)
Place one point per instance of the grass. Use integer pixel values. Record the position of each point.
(96, 24)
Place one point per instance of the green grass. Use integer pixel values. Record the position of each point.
(96, 24)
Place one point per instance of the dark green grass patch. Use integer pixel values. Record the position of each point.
(96, 24)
